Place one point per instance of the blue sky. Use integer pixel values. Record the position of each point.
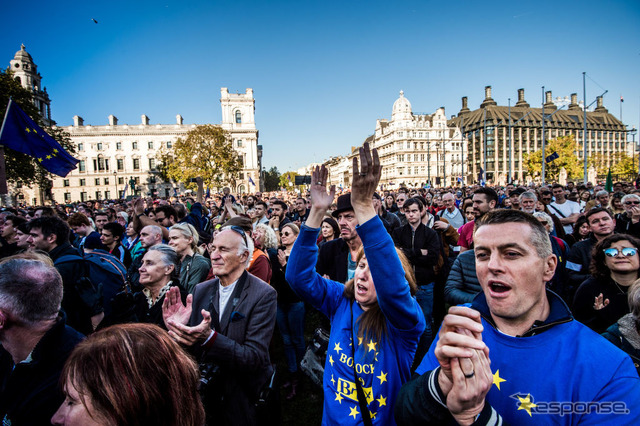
(322, 72)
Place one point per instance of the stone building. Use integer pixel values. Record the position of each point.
(487, 131)
(415, 149)
(26, 72)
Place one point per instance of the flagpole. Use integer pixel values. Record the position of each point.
(3, 167)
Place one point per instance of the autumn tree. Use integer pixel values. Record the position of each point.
(620, 163)
(206, 151)
(21, 168)
(565, 146)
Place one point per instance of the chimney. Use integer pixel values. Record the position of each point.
(488, 100)
(600, 105)
(145, 120)
(113, 120)
(521, 102)
(465, 107)
(548, 101)
(179, 119)
(78, 121)
(574, 102)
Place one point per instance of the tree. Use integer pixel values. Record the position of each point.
(206, 151)
(22, 169)
(288, 180)
(620, 163)
(272, 179)
(566, 147)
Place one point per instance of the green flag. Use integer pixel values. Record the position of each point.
(608, 186)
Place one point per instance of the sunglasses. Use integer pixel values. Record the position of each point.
(627, 251)
(240, 231)
(628, 203)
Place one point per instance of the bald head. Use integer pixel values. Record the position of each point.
(150, 236)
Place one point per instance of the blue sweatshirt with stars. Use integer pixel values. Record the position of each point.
(381, 366)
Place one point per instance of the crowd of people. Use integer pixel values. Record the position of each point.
(478, 304)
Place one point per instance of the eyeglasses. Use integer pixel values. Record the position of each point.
(627, 251)
(628, 203)
(285, 234)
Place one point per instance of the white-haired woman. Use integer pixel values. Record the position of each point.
(194, 267)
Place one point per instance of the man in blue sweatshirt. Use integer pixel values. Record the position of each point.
(516, 355)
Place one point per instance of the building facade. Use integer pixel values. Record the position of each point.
(415, 150)
(25, 71)
(501, 157)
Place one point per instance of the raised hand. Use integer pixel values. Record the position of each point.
(321, 200)
(364, 183)
(600, 302)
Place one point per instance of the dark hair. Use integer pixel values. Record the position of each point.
(116, 229)
(557, 185)
(24, 227)
(576, 228)
(596, 211)
(414, 200)
(332, 222)
(135, 374)
(47, 211)
(372, 323)
(261, 203)
(281, 204)
(100, 213)
(598, 268)
(52, 225)
(168, 211)
(490, 193)
(539, 235)
(15, 220)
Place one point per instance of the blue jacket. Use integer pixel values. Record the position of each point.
(382, 365)
(462, 284)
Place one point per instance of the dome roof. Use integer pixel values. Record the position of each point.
(22, 55)
(401, 108)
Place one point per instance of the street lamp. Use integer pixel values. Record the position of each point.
(115, 178)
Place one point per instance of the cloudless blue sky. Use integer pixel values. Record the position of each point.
(322, 72)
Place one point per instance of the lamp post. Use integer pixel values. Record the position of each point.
(115, 178)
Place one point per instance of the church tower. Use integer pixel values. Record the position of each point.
(26, 73)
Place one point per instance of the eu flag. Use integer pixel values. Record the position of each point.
(251, 181)
(22, 134)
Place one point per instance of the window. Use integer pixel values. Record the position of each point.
(83, 196)
(152, 163)
(419, 134)
(106, 182)
(67, 197)
(150, 144)
(136, 164)
(120, 164)
(400, 134)
(169, 144)
(120, 181)
(421, 157)
(99, 147)
(98, 195)
(119, 146)
(83, 182)
(65, 182)
(408, 145)
(238, 117)
(415, 170)
(134, 145)
(239, 143)
(97, 181)
(400, 171)
(80, 147)
(107, 194)
(81, 166)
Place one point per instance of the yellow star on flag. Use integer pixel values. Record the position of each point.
(331, 360)
(48, 157)
(28, 130)
(40, 160)
(371, 345)
(339, 398)
(359, 341)
(55, 151)
(382, 377)
(526, 404)
(354, 412)
(373, 415)
(382, 401)
(337, 347)
(497, 379)
(333, 380)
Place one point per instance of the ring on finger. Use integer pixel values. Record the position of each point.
(470, 375)
(363, 174)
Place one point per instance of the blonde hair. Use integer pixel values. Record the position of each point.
(187, 231)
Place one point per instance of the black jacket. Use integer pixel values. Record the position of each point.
(78, 313)
(411, 245)
(332, 260)
(30, 392)
(624, 225)
(462, 284)
(577, 267)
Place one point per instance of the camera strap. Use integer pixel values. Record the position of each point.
(362, 400)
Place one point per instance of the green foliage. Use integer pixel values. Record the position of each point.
(288, 180)
(565, 146)
(620, 163)
(22, 169)
(272, 179)
(206, 151)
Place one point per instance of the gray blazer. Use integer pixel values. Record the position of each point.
(241, 348)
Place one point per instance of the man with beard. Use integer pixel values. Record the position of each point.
(278, 215)
(484, 200)
(336, 259)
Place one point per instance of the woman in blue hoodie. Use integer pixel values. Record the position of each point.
(375, 320)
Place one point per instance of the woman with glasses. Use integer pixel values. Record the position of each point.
(194, 267)
(602, 299)
(291, 310)
(629, 221)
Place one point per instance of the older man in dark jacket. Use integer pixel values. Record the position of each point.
(229, 330)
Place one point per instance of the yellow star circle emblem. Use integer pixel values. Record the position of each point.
(497, 379)
(337, 347)
(526, 404)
